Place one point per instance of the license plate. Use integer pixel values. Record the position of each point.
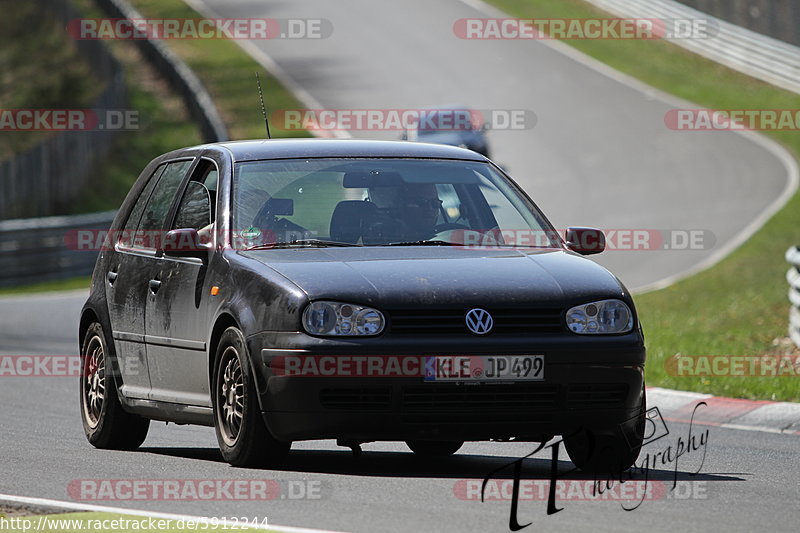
(484, 368)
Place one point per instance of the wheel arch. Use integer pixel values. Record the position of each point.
(90, 315)
(225, 320)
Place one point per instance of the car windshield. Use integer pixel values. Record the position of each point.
(381, 202)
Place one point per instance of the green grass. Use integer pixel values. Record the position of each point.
(164, 125)
(110, 522)
(229, 75)
(738, 307)
(81, 282)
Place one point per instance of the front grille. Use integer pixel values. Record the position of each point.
(596, 396)
(486, 397)
(361, 399)
(486, 419)
(451, 321)
(450, 403)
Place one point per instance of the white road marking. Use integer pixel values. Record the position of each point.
(70, 506)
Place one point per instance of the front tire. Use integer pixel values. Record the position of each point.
(105, 423)
(610, 450)
(434, 448)
(243, 438)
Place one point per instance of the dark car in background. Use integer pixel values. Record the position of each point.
(454, 126)
(287, 290)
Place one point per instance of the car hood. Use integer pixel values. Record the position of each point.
(442, 277)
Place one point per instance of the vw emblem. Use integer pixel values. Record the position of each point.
(479, 321)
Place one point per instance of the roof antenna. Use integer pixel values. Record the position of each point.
(263, 109)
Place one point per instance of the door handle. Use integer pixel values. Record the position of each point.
(154, 285)
(111, 277)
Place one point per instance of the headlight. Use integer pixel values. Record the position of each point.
(333, 318)
(605, 316)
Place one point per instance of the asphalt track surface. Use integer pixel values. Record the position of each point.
(599, 155)
(738, 481)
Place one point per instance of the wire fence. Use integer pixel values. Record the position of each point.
(777, 18)
(755, 54)
(39, 249)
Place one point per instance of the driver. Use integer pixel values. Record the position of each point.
(414, 208)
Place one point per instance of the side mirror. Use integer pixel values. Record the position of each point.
(585, 241)
(185, 242)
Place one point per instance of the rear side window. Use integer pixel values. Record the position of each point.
(158, 202)
(126, 237)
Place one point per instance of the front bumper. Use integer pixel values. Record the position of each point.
(589, 382)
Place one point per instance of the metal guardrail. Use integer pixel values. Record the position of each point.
(38, 249)
(752, 53)
(776, 18)
(199, 103)
(793, 277)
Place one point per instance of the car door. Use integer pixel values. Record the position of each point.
(133, 265)
(176, 324)
(125, 293)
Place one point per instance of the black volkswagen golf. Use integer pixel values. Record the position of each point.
(287, 290)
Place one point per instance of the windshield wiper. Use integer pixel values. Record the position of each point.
(434, 242)
(302, 243)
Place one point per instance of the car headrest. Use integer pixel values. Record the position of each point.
(349, 220)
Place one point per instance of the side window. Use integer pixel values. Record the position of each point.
(196, 209)
(126, 238)
(155, 213)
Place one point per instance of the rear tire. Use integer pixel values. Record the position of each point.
(243, 438)
(434, 448)
(105, 423)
